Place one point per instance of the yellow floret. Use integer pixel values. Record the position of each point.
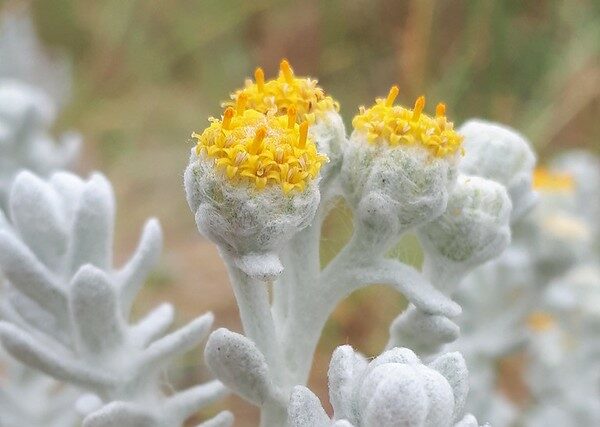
(545, 180)
(399, 126)
(262, 150)
(278, 95)
(540, 321)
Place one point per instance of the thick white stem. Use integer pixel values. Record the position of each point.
(313, 299)
(300, 291)
(255, 312)
(443, 275)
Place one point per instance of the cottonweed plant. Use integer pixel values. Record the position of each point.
(56, 254)
(538, 299)
(27, 111)
(26, 114)
(261, 180)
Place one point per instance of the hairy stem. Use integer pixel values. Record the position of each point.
(255, 312)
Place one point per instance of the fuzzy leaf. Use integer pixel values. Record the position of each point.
(239, 364)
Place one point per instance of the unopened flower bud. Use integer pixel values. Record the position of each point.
(503, 155)
(475, 227)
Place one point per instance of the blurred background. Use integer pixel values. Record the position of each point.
(148, 73)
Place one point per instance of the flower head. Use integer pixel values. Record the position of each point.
(395, 125)
(261, 150)
(287, 91)
(252, 183)
(307, 102)
(399, 165)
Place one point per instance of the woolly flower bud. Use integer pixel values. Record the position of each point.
(501, 154)
(476, 225)
(302, 98)
(252, 182)
(400, 163)
(394, 389)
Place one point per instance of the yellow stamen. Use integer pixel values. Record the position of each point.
(241, 102)
(257, 141)
(287, 71)
(440, 110)
(419, 105)
(400, 126)
(303, 134)
(227, 116)
(279, 153)
(278, 94)
(291, 113)
(392, 96)
(259, 76)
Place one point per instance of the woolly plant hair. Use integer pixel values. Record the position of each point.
(249, 225)
(406, 185)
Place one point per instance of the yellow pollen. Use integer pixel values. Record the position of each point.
(291, 113)
(240, 104)
(440, 110)
(261, 150)
(419, 106)
(401, 126)
(257, 141)
(303, 135)
(392, 96)
(547, 181)
(277, 95)
(287, 71)
(540, 321)
(229, 112)
(259, 76)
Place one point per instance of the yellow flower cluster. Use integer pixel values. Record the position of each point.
(545, 180)
(276, 96)
(261, 149)
(400, 126)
